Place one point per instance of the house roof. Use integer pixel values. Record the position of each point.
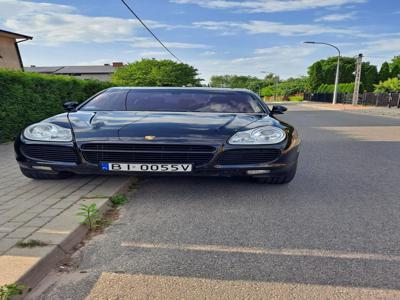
(14, 35)
(42, 69)
(72, 70)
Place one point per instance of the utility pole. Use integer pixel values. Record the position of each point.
(357, 80)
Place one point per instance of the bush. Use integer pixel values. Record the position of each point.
(26, 98)
(388, 86)
(342, 88)
(296, 98)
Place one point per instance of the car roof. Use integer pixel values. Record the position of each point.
(184, 89)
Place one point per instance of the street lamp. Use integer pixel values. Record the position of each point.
(337, 67)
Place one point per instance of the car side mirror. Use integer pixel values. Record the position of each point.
(278, 109)
(70, 106)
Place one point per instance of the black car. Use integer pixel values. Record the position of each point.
(186, 131)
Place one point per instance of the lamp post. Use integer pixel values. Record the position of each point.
(337, 68)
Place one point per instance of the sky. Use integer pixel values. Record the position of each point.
(215, 36)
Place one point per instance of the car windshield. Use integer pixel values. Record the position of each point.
(175, 101)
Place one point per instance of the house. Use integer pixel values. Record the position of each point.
(10, 57)
(102, 73)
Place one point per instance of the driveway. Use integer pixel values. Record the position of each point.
(334, 232)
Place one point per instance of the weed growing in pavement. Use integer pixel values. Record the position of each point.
(90, 214)
(118, 200)
(31, 244)
(9, 290)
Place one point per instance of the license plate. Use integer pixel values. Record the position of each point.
(146, 167)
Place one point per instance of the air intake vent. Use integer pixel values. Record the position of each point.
(50, 153)
(248, 156)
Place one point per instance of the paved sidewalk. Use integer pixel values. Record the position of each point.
(372, 110)
(44, 211)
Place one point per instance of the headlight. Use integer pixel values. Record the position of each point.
(259, 136)
(48, 132)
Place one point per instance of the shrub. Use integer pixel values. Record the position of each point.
(388, 86)
(26, 98)
(296, 98)
(342, 88)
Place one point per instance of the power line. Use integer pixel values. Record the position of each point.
(149, 30)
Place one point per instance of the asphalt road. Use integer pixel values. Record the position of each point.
(334, 232)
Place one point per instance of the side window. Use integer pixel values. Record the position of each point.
(108, 100)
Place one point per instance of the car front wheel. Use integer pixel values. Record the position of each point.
(42, 175)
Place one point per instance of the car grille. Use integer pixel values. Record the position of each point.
(148, 153)
(50, 153)
(248, 156)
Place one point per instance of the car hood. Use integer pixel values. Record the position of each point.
(164, 127)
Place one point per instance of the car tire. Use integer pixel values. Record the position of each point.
(283, 179)
(43, 176)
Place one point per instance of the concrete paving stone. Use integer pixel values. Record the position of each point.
(4, 220)
(49, 202)
(33, 252)
(7, 243)
(108, 188)
(59, 228)
(25, 217)
(51, 238)
(38, 208)
(37, 222)
(22, 232)
(51, 212)
(63, 204)
(10, 226)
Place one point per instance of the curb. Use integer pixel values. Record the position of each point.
(61, 234)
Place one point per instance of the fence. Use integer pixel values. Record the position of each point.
(385, 99)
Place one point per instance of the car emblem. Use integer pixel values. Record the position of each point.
(149, 137)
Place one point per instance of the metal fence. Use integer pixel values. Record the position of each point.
(386, 99)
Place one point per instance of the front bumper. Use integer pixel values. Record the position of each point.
(280, 166)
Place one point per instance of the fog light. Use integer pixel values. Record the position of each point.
(257, 172)
(44, 168)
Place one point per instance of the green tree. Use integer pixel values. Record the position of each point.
(369, 77)
(395, 64)
(316, 76)
(395, 71)
(388, 86)
(384, 72)
(151, 72)
(235, 81)
(293, 86)
(369, 74)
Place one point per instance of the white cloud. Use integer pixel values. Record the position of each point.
(208, 53)
(141, 42)
(336, 17)
(384, 45)
(99, 61)
(54, 24)
(154, 54)
(268, 6)
(259, 27)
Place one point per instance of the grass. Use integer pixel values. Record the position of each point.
(31, 244)
(9, 290)
(118, 200)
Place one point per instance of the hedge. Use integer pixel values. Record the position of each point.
(26, 98)
(342, 88)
